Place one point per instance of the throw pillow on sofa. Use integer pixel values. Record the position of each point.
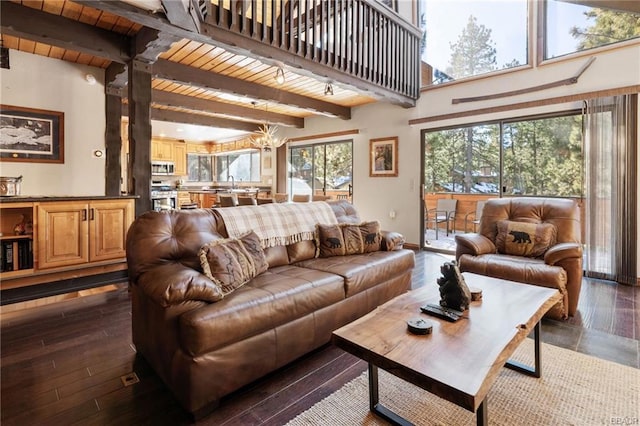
(232, 262)
(347, 238)
(329, 241)
(371, 237)
(524, 239)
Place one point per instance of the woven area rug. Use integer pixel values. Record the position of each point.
(575, 389)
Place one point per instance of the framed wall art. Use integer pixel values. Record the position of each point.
(383, 157)
(31, 135)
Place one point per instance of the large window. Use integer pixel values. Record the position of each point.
(200, 167)
(325, 168)
(238, 167)
(467, 38)
(538, 157)
(571, 27)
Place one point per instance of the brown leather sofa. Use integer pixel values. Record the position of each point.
(559, 266)
(203, 350)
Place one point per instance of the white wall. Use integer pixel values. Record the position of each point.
(376, 197)
(51, 84)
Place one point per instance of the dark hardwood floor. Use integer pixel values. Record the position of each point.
(64, 363)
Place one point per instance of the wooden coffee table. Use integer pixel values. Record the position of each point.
(460, 360)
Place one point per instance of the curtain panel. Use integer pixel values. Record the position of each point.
(611, 188)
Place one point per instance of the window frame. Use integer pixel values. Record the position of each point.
(541, 29)
(240, 152)
(531, 56)
(213, 166)
(500, 123)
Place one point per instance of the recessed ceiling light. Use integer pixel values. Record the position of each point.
(179, 129)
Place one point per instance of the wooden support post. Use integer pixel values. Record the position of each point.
(140, 133)
(113, 144)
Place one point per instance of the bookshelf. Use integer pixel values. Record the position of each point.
(16, 250)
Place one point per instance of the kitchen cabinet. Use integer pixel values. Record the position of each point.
(180, 158)
(204, 199)
(77, 232)
(184, 198)
(162, 150)
(199, 148)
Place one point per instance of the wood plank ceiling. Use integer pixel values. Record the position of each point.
(195, 99)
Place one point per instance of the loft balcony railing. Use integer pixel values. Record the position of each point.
(361, 38)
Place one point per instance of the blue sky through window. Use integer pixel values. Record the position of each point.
(507, 19)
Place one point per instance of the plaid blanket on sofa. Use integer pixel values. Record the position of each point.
(278, 223)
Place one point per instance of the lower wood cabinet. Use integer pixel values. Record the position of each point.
(77, 232)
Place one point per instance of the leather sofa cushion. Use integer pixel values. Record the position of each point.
(276, 297)
(524, 239)
(363, 271)
(521, 269)
(231, 262)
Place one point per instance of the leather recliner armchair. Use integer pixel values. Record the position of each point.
(559, 266)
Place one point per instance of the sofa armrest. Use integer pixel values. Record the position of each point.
(561, 252)
(391, 241)
(473, 244)
(174, 283)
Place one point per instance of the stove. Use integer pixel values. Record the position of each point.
(163, 197)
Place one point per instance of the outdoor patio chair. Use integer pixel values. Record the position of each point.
(445, 211)
(474, 216)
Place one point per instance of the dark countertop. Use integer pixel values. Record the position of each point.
(41, 198)
(226, 189)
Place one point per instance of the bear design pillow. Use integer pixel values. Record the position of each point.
(232, 262)
(525, 239)
(330, 241)
(347, 238)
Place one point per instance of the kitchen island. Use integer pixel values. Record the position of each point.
(208, 197)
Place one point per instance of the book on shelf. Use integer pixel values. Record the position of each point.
(16, 255)
(7, 256)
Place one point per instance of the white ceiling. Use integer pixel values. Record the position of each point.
(193, 132)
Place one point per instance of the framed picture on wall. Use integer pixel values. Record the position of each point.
(383, 157)
(31, 135)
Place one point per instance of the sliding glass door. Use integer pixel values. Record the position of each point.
(322, 169)
(536, 156)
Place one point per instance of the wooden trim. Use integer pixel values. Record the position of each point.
(530, 104)
(325, 135)
(531, 89)
(65, 273)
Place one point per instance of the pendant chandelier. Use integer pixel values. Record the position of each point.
(265, 137)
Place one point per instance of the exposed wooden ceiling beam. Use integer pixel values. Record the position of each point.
(242, 45)
(149, 43)
(32, 24)
(622, 5)
(196, 77)
(198, 119)
(115, 79)
(176, 100)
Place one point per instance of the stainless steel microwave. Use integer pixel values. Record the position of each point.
(162, 168)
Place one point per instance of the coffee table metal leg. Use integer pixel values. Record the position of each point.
(374, 404)
(536, 371)
(481, 414)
